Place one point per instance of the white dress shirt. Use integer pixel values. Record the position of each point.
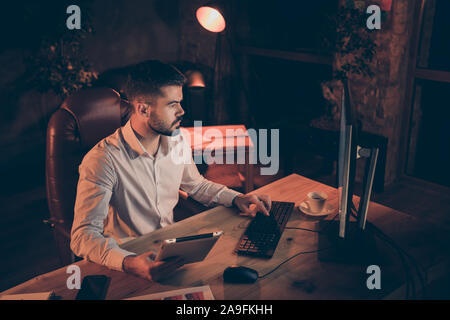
(125, 192)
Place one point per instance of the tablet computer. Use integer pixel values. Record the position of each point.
(191, 248)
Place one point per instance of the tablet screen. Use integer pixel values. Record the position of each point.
(191, 248)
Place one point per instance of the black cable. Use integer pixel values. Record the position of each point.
(317, 231)
(303, 252)
(384, 237)
(402, 254)
(412, 260)
(329, 223)
(305, 229)
(407, 255)
(287, 260)
(409, 279)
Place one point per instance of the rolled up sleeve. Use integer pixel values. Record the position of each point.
(94, 190)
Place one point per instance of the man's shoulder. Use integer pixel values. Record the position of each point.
(104, 148)
(98, 165)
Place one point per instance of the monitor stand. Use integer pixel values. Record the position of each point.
(359, 246)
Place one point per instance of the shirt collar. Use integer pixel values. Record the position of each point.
(136, 146)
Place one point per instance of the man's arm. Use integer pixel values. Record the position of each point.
(203, 190)
(208, 193)
(95, 185)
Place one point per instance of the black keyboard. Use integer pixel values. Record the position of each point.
(263, 233)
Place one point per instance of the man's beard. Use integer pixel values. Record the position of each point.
(166, 131)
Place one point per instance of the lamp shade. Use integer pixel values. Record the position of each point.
(195, 79)
(211, 18)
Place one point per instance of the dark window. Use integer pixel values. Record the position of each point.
(287, 92)
(435, 49)
(432, 157)
(285, 24)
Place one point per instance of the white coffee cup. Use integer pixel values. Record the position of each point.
(316, 201)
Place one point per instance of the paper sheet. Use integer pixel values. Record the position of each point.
(193, 293)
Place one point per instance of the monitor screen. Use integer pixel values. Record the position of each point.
(346, 160)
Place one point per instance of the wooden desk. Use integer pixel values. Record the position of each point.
(234, 139)
(304, 277)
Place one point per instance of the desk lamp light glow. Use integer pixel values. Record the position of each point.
(211, 19)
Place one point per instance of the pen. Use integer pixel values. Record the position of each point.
(199, 236)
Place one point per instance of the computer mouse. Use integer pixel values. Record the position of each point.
(239, 274)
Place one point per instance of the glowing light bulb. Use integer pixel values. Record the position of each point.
(211, 19)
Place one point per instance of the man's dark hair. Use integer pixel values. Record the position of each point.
(146, 79)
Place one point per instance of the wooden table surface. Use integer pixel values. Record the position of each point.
(303, 277)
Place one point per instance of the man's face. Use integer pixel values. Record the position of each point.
(166, 112)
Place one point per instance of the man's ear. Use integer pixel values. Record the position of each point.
(142, 108)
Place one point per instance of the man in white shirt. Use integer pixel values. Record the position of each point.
(129, 181)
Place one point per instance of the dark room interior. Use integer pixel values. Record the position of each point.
(285, 67)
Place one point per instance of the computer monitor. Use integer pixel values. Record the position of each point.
(345, 240)
(348, 141)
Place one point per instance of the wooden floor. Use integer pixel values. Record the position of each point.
(28, 249)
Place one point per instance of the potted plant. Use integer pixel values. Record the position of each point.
(353, 47)
(57, 65)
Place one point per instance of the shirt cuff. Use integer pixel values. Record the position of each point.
(227, 196)
(116, 257)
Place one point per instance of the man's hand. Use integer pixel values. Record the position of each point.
(146, 267)
(252, 203)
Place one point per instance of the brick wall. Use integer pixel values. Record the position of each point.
(380, 100)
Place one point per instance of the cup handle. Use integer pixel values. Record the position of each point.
(307, 205)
